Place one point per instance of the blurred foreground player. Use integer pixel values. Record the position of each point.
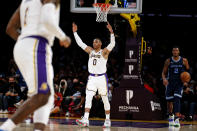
(173, 67)
(97, 79)
(38, 20)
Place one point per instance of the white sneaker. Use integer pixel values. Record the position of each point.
(17, 104)
(67, 113)
(171, 120)
(1, 111)
(83, 122)
(5, 111)
(107, 123)
(177, 123)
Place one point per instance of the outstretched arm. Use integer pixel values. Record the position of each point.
(86, 48)
(48, 19)
(14, 25)
(109, 48)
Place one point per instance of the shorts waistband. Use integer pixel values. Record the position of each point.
(38, 37)
(97, 74)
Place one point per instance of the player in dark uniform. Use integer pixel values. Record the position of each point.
(173, 67)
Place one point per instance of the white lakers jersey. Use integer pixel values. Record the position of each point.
(30, 11)
(97, 63)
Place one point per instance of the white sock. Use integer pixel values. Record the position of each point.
(107, 116)
(86, 115)
(8, 125)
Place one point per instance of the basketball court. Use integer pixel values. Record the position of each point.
(68, 124)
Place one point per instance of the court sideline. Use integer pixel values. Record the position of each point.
(68, 124)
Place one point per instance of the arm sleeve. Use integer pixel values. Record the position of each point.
(48, 19)
(79, 41)
(112, 43)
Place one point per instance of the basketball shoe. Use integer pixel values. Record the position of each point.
(83, 122)
(107, 123)
(176, 123)
(171, 120)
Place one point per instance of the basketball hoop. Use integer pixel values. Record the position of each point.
(102, 10)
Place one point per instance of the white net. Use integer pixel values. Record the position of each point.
(102, 10)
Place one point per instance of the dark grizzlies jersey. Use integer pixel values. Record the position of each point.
(175, 69)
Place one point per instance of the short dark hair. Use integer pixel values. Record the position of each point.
(98, 39)
(176, 46)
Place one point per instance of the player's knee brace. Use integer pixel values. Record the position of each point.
(106, 103)
(89, 97)
(41, 115)
(177, 104)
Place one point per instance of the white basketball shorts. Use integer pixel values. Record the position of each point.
(99, 83)
(33, 57)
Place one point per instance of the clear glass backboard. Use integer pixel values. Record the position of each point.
(118, 6)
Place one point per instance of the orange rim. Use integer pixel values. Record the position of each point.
(103, 6)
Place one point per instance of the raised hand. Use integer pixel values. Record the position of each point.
(74, 27)
(109, 28)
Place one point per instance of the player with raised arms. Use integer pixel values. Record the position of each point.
(97, 79)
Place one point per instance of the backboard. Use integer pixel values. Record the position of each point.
(118, 6)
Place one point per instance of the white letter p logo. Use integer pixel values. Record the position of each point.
(129, 95)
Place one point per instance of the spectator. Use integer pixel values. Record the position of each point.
(76, 101)
(188, 103)
(66, 92)
(23, 96)
(63, 86)
(3, 90)
(23, 87)
(12, 94)
(79, 93)
(58, 100)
